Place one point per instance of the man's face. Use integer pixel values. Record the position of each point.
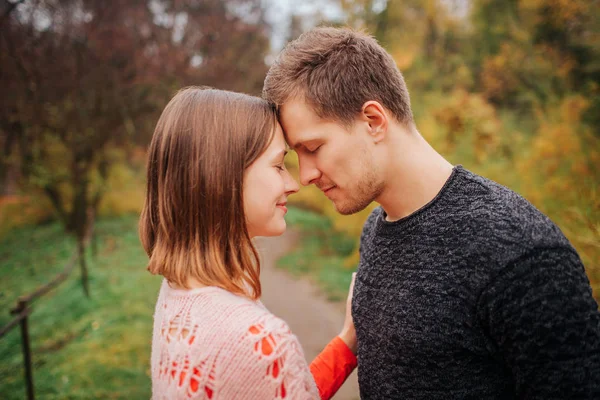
(339, 161)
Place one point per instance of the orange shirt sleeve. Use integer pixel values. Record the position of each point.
(332, 366)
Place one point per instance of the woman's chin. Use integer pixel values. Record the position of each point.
(276, 230)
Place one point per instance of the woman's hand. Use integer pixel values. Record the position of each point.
(348, 334)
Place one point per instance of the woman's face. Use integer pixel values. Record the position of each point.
(267, 185)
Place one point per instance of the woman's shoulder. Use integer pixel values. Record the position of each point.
(218, 308)
(219, 316)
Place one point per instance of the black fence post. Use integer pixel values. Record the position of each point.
(27, 357)
(22, 308)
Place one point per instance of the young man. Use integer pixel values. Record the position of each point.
(464, 289)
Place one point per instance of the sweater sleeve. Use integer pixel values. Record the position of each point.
(282, 359)
(544, 325)
(332, 366)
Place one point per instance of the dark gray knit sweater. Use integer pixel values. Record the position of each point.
(477, 295)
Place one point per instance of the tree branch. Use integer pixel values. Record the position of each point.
(56, 199)
(8, 9)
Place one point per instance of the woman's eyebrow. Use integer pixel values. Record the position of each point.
(280, 154)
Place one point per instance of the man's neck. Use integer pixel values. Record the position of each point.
(415, 177)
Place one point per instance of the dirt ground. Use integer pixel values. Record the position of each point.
(313, 319)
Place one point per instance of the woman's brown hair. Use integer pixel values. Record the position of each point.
(193, 223)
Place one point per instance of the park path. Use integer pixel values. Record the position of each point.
(313, 319)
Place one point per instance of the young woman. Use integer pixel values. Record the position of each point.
(217, 179)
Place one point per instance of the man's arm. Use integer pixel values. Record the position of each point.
(541, 315)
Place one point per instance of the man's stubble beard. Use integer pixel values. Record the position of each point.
(368, 188)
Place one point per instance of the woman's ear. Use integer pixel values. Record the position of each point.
(375, 116)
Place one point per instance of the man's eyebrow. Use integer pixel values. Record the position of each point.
(304, 143)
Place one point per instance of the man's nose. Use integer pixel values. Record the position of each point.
(309, 172)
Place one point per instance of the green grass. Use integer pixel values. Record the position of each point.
(320, 253)
(82, 348)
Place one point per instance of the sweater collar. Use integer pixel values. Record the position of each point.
(385, 227)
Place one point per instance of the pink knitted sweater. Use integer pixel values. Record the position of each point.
(209, 343)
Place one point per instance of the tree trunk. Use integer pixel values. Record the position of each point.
(103, 171)
(83, 266)
(9, 172)
(80, 216)
(7, 140)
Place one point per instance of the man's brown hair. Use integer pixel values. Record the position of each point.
(337, 70)
(193, 223)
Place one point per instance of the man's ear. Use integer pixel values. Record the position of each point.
(376, 117)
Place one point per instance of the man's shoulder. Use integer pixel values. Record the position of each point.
(509, 214)
(372, 218)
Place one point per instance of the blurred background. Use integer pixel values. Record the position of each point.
(508, 88)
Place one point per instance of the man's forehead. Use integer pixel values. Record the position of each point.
(299, 122)
(296, 109)
(292, 144)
